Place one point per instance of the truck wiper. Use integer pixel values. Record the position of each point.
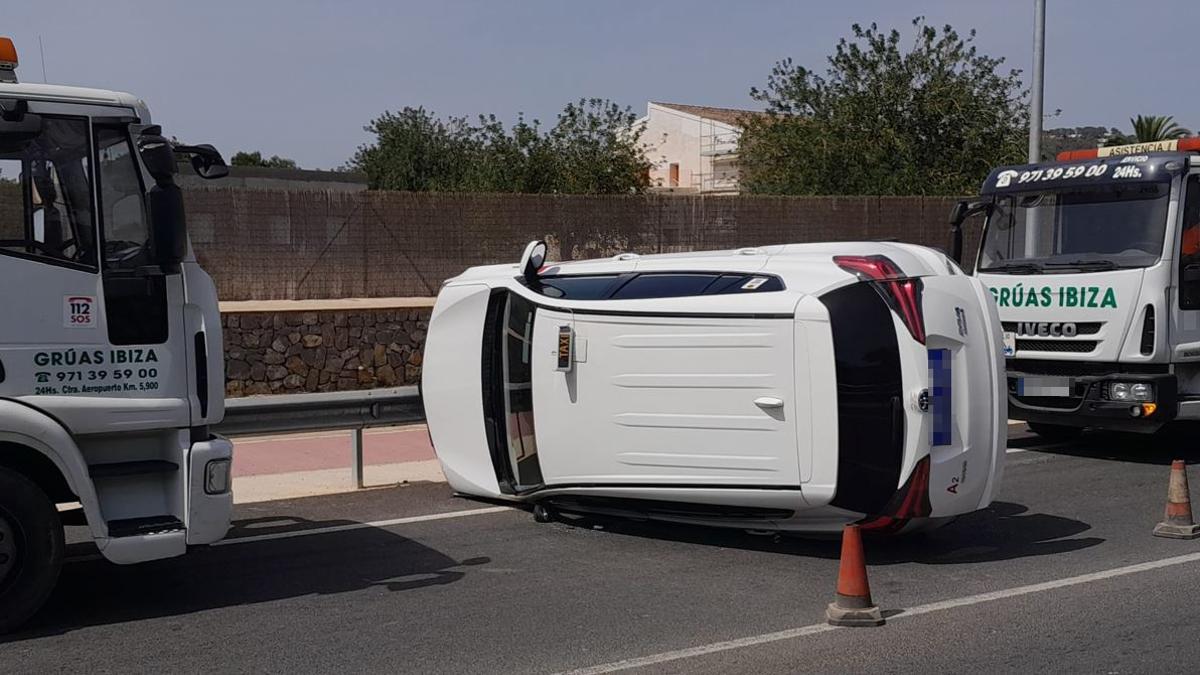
(1026, 267)
(1086, 264)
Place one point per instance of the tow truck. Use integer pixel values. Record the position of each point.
(111, 368)
(1094, 263)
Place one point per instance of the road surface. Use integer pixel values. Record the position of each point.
(1059, 575)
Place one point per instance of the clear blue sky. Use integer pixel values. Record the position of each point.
(300, 78)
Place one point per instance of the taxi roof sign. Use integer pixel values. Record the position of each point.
(1173, 145)
(8, 60)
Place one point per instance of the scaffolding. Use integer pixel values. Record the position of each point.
(718, 158)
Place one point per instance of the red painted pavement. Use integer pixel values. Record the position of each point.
(253, 456)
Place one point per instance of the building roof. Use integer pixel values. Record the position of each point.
(731, 116)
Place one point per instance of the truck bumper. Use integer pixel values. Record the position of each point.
(1090, 406)
(210, 490)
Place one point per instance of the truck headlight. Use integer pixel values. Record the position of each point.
(1130, 391)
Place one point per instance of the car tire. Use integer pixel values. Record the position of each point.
(1055, 432)
(31, 549)
(542, 513)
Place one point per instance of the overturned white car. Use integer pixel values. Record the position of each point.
(797, 387)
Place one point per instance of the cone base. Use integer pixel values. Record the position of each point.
(854, 618)
(1171, 531)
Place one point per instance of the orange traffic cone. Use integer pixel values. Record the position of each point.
(1177, 524)
(853, 606)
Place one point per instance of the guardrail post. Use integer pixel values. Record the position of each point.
(357, 464)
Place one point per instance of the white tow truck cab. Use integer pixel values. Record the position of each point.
(111, 367)
(1094, 261)
(795, 387)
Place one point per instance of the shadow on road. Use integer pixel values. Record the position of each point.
(1177, 441)
(1003, 531)
(96, 592)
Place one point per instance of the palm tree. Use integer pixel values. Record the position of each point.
(1156, 128)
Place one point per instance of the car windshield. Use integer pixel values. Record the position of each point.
(1092, 228)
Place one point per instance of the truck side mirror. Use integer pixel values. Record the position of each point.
(165, 200)
(157, 156)
(963, 210)
(206, 160)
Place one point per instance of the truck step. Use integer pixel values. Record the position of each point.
(132, 527)
(136, 468)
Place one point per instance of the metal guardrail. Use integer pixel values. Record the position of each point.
(353, 410)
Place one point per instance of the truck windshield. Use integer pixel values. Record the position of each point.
(1086, 228)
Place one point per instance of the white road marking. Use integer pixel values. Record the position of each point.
(814, 629)
(359, 526)
(1012, 450)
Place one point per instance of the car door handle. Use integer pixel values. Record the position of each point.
(768, 402)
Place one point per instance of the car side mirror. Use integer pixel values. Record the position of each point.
(532, 260)
(1191, 273)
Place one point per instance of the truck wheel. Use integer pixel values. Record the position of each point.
(1055, 432)
(31, 549)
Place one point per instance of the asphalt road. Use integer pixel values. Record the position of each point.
(1059, 575)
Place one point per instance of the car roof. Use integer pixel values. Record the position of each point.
(807, 268)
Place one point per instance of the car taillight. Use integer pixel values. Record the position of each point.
(902, 294)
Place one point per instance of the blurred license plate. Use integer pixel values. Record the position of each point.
(941, 376)
(1043, 386)
(1010, 343)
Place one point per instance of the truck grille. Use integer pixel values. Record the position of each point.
(1065, 346)
(1081, 327)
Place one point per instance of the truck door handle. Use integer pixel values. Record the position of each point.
(768, 402)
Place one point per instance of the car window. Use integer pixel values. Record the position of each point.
(577, 288)
(664, 286)
(744, 283)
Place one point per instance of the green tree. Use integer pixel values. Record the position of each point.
(594, 147)
(929, 118)
(256, 159)
(1150, 128)
(416, 151)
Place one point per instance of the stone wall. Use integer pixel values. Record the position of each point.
(292, 352)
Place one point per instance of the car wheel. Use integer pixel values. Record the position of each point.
(542, 513)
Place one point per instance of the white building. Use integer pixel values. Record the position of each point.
(693, 148)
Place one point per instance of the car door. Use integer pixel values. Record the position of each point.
(679, 391)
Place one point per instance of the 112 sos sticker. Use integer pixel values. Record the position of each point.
(79, 311)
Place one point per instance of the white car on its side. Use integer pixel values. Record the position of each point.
(797, 387)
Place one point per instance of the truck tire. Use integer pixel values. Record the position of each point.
(1055, 432)
(31, 549)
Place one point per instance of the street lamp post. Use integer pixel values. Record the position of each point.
(1039, 65)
